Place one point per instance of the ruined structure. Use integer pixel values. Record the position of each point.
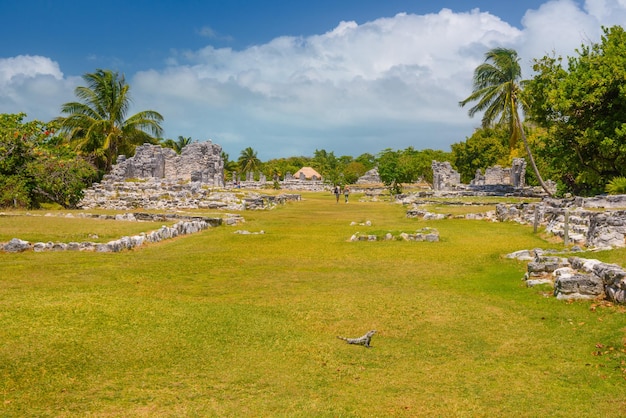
(496, 180)
(498, 175)
(370, 177)
(444, 176)
(198, 162)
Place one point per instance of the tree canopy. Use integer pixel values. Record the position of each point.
(582, 105)
(498, 93)
(98, 125)
(36, 168)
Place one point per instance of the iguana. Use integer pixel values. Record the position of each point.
(364, 340)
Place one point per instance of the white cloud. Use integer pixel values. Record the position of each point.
(15, 69)
(34, 85)
(392, 82)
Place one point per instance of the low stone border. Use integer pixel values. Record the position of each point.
(125, 243)
(425, 234)
(575, 277)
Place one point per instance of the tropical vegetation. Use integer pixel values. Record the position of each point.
(498, 93)
(36, 167)
(581, 104)
(98, 124)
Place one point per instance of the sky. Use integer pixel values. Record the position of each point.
(286, 77)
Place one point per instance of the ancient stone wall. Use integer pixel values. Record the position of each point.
(576, 278)
(590, 228)
(444, 176)
(496, 180)
(198, 162)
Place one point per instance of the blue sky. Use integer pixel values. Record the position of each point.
(286, 77)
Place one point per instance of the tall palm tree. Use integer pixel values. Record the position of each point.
(248, 161)
(498, 93)
(98, 123)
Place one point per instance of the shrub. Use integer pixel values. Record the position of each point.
(616, 186)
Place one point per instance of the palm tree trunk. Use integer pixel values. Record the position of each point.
(532, 160)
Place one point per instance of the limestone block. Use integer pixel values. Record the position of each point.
(16, 245)
(578, 286)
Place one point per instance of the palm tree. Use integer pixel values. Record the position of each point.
(248, 161)
(97, 124)
(181, 143)
(498, 92)
(177, 145)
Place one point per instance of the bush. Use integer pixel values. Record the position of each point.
(616, 186)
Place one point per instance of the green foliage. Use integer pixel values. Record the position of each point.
(177, 145)
(582, 107)
(617, 185)
(368, 161)
(485, 148)
(329, 166)
(497, 89)
(36, 167)
(14, 191)
(407, 166)
(277, 168)
(248, 161)
(60, 180)
(98, 125)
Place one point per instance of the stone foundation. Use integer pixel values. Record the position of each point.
(577, 278)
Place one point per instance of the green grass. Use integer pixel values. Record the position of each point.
(224, 324)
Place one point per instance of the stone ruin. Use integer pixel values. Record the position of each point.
(444, 176)
(496, 180)
(578, 219)
(198, 162)
(496, 175)
(370, 177)
(574, 277)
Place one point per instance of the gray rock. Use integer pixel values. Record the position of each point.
(578, 286)
(16, 245)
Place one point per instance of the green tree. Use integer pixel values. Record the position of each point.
(177, 145)
(36, 168)
(498, 93)
(277, 168)
(329, 166)
(582, 107)
(485, 148)
(368, 161)
(391, 170)
(248, 161)
(98, 124)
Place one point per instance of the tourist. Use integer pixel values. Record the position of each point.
(337, 192)
(346, 193)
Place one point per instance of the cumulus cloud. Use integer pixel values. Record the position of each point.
(34, 85)
(391, 82)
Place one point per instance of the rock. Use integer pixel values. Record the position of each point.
(16, 245)
(578, 286)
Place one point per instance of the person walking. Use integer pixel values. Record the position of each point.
(346, 193)
(337, 193)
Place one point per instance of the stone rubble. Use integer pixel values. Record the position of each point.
(424, 234)
(123, 243)
(574, 277)
(591, 228)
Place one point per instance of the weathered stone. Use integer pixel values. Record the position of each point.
(370, 177)
(578, 286)
(16, 245)
(444, 176)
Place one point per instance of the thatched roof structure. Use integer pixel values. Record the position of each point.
(309, 174)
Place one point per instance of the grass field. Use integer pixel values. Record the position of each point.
(224, 324)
